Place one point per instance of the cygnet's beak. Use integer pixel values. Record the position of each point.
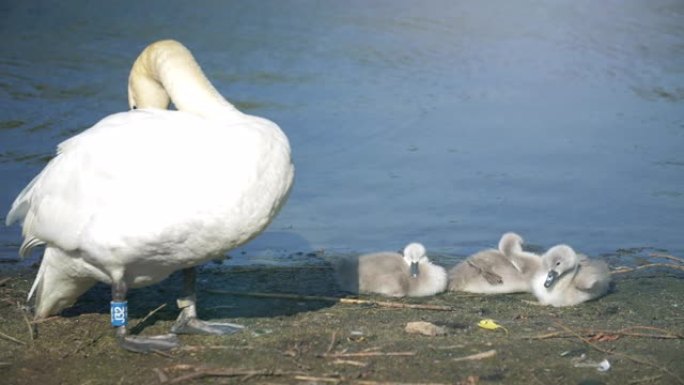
(414, 269)
(551, 278)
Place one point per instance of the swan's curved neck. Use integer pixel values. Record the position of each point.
(167, 70)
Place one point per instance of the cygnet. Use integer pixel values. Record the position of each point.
(567, 278)
(393, 274)
(506, 270)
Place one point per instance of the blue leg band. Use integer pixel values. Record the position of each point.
(119, 313)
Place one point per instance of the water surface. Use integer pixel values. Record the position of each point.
(444, 122)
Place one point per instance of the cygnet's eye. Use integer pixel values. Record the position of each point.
(134, 108)
(558, 263)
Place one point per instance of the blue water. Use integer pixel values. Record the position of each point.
(444, 122)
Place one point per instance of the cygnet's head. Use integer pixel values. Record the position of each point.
(557, 261)
(510, 243)
(414, 253)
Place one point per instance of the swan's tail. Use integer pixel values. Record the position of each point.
(347, 273)
(21, 204)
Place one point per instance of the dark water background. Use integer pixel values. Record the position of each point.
(444, 122)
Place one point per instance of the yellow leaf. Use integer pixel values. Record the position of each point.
(489, 324)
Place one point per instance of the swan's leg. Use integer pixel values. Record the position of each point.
(187, 322)
(140, 344)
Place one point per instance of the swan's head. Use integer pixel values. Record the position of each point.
(510, 243)
(557, 261)
(414, 254)
(145, 86)
(167, 72)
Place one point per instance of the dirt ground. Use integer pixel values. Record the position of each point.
(638, 328)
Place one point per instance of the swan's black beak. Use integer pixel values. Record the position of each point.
(414, 269)
(551, 278)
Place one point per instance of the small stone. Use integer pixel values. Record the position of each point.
(425, 328)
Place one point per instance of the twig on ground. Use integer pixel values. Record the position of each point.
(626, 356)
(31, 327)
(4, 280)
(350, 362)
(627, 332)
(202, 372)
(624, 269)
(477, 356)
(646, 379)
(83, 345)
(368, 382)
(161, 353)
(534, 377)
(354, 301)
(145, 318)
(332, 342)
(161, 375)
(10, 338)
(368, 354)
(667, 256)
(47, 319)
(317, 379)
(639, 327)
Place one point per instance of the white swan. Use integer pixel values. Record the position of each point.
(393, 274)
(147, 192)
(506, 270)
(566, 278)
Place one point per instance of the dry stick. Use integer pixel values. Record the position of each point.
(350, 362)
(150, 314)
(42, 320)
(227, 372)
(29, 326)
(317, 379)
(652, 328)
(4, 280)
(621, 270)
(161, 353)
(161, 375)
(10, 338)
(535, 378)
(667, 256)
(622, 332)
(368, 382)
(477, 356)
(368, 354)
(645, 379)
(627, 356)
(333, 299)
(332, 342)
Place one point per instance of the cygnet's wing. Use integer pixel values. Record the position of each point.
(485, 271)
(493, 266)
(592, 276)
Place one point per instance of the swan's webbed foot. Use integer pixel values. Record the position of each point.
(187, 323)
(146, 344)
(119, 318)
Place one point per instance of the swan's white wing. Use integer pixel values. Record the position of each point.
(151, 180)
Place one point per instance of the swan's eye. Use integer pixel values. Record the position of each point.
(134, 107)
(558, 263)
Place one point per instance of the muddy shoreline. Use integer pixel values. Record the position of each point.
(637, 327)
